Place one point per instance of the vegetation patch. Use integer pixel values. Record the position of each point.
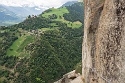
(19, 45)
(13, 49)
(59, 14)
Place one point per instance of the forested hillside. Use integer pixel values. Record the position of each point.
(75, 12)
(41, 48)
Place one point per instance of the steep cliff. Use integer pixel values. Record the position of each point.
(103, 46)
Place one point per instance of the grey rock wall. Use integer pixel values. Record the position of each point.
(104, 41)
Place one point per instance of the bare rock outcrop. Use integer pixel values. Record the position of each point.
(104, 41)
(71, 77)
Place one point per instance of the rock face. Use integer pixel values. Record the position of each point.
(71, 77)
(104, 41)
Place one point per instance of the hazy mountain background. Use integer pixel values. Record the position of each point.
(10, 15)
(69, 3)
(13, 12)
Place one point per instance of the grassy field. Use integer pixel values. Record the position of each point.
(18, 46)
(27, 41)
(14, 47)
(46, 29)
(59, 12)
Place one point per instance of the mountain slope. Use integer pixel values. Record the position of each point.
(59, 13)
(48, 19)
(40, 49)
(76, 12)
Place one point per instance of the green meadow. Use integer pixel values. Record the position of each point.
(17, 48)
(59, 12)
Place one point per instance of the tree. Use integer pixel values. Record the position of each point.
(29, 16)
